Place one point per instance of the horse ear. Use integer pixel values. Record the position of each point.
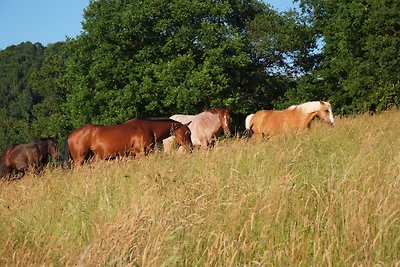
(187, 124)
(321, 102)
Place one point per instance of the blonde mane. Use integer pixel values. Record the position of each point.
(309, 107)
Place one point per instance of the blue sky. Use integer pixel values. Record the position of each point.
(50, 21)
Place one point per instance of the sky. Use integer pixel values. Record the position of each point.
(51, 21)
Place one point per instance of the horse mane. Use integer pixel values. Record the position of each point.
(213, 110)
(45, 139)
(308, 107)
(161, 119)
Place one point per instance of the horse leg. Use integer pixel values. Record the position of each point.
(7, 173)
(20, 174)
(258, 135)
(138, 153)
(212, 141)
(21, 167)
(168, 144)
(38, 169)
(78, 158)
(204, 144)
(181, 150)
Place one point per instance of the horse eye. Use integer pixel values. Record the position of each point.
(327, 111)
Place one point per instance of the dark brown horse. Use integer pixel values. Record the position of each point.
(19, 158)
(134, 137)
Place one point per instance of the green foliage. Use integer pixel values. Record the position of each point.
(360, 64)
(156, 58)
(17, 64)
(51, 91)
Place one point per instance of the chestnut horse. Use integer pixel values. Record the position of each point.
(294, 118)
(205, 127)
(20, 157)
(133, 137)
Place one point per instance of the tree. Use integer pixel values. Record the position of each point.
(17, 64)
(50, 90)
(158, 57)
(360, 63)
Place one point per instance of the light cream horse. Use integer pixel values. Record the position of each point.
(294, 118)
(205, 127)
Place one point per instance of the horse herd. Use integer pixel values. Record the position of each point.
(137, 137)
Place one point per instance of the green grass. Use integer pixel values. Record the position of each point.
(327, 196)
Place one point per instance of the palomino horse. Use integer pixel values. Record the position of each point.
(205, 127)
(19, 157)
(294, 118)
(132, 137)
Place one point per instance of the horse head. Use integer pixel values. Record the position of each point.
(48, 145)
(52, 147)
(325, 112)
(183, 136)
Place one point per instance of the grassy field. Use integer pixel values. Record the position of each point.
(324, 197)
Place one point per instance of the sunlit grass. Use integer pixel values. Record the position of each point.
(328, 196)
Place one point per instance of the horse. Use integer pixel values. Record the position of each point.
(205, 127)
(20, 157)
(134, 137)
(294, 118)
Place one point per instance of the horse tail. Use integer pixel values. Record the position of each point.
(1, 169)
(248, 123)
(66, 156)
(248, 132)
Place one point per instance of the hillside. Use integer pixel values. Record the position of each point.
(327, 196)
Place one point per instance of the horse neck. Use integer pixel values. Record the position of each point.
(218, 113)
(43, 147)
(212, 122)
(309, 118)
(307, 112)
(215, 111)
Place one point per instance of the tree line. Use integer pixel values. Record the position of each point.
(159, 57)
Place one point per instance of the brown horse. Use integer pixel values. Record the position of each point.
(205, 127)
(19, 158)
(294, 118)
(133, 137)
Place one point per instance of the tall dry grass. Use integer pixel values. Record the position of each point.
(328, 196)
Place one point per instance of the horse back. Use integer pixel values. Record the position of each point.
(183, 118)
(271, 122)
(120, 133)
(80, 137)
(126, 138)
(5, 158)
(267, 121)
(25, 153)
(211, 125)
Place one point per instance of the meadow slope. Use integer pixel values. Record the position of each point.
(327, 196)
